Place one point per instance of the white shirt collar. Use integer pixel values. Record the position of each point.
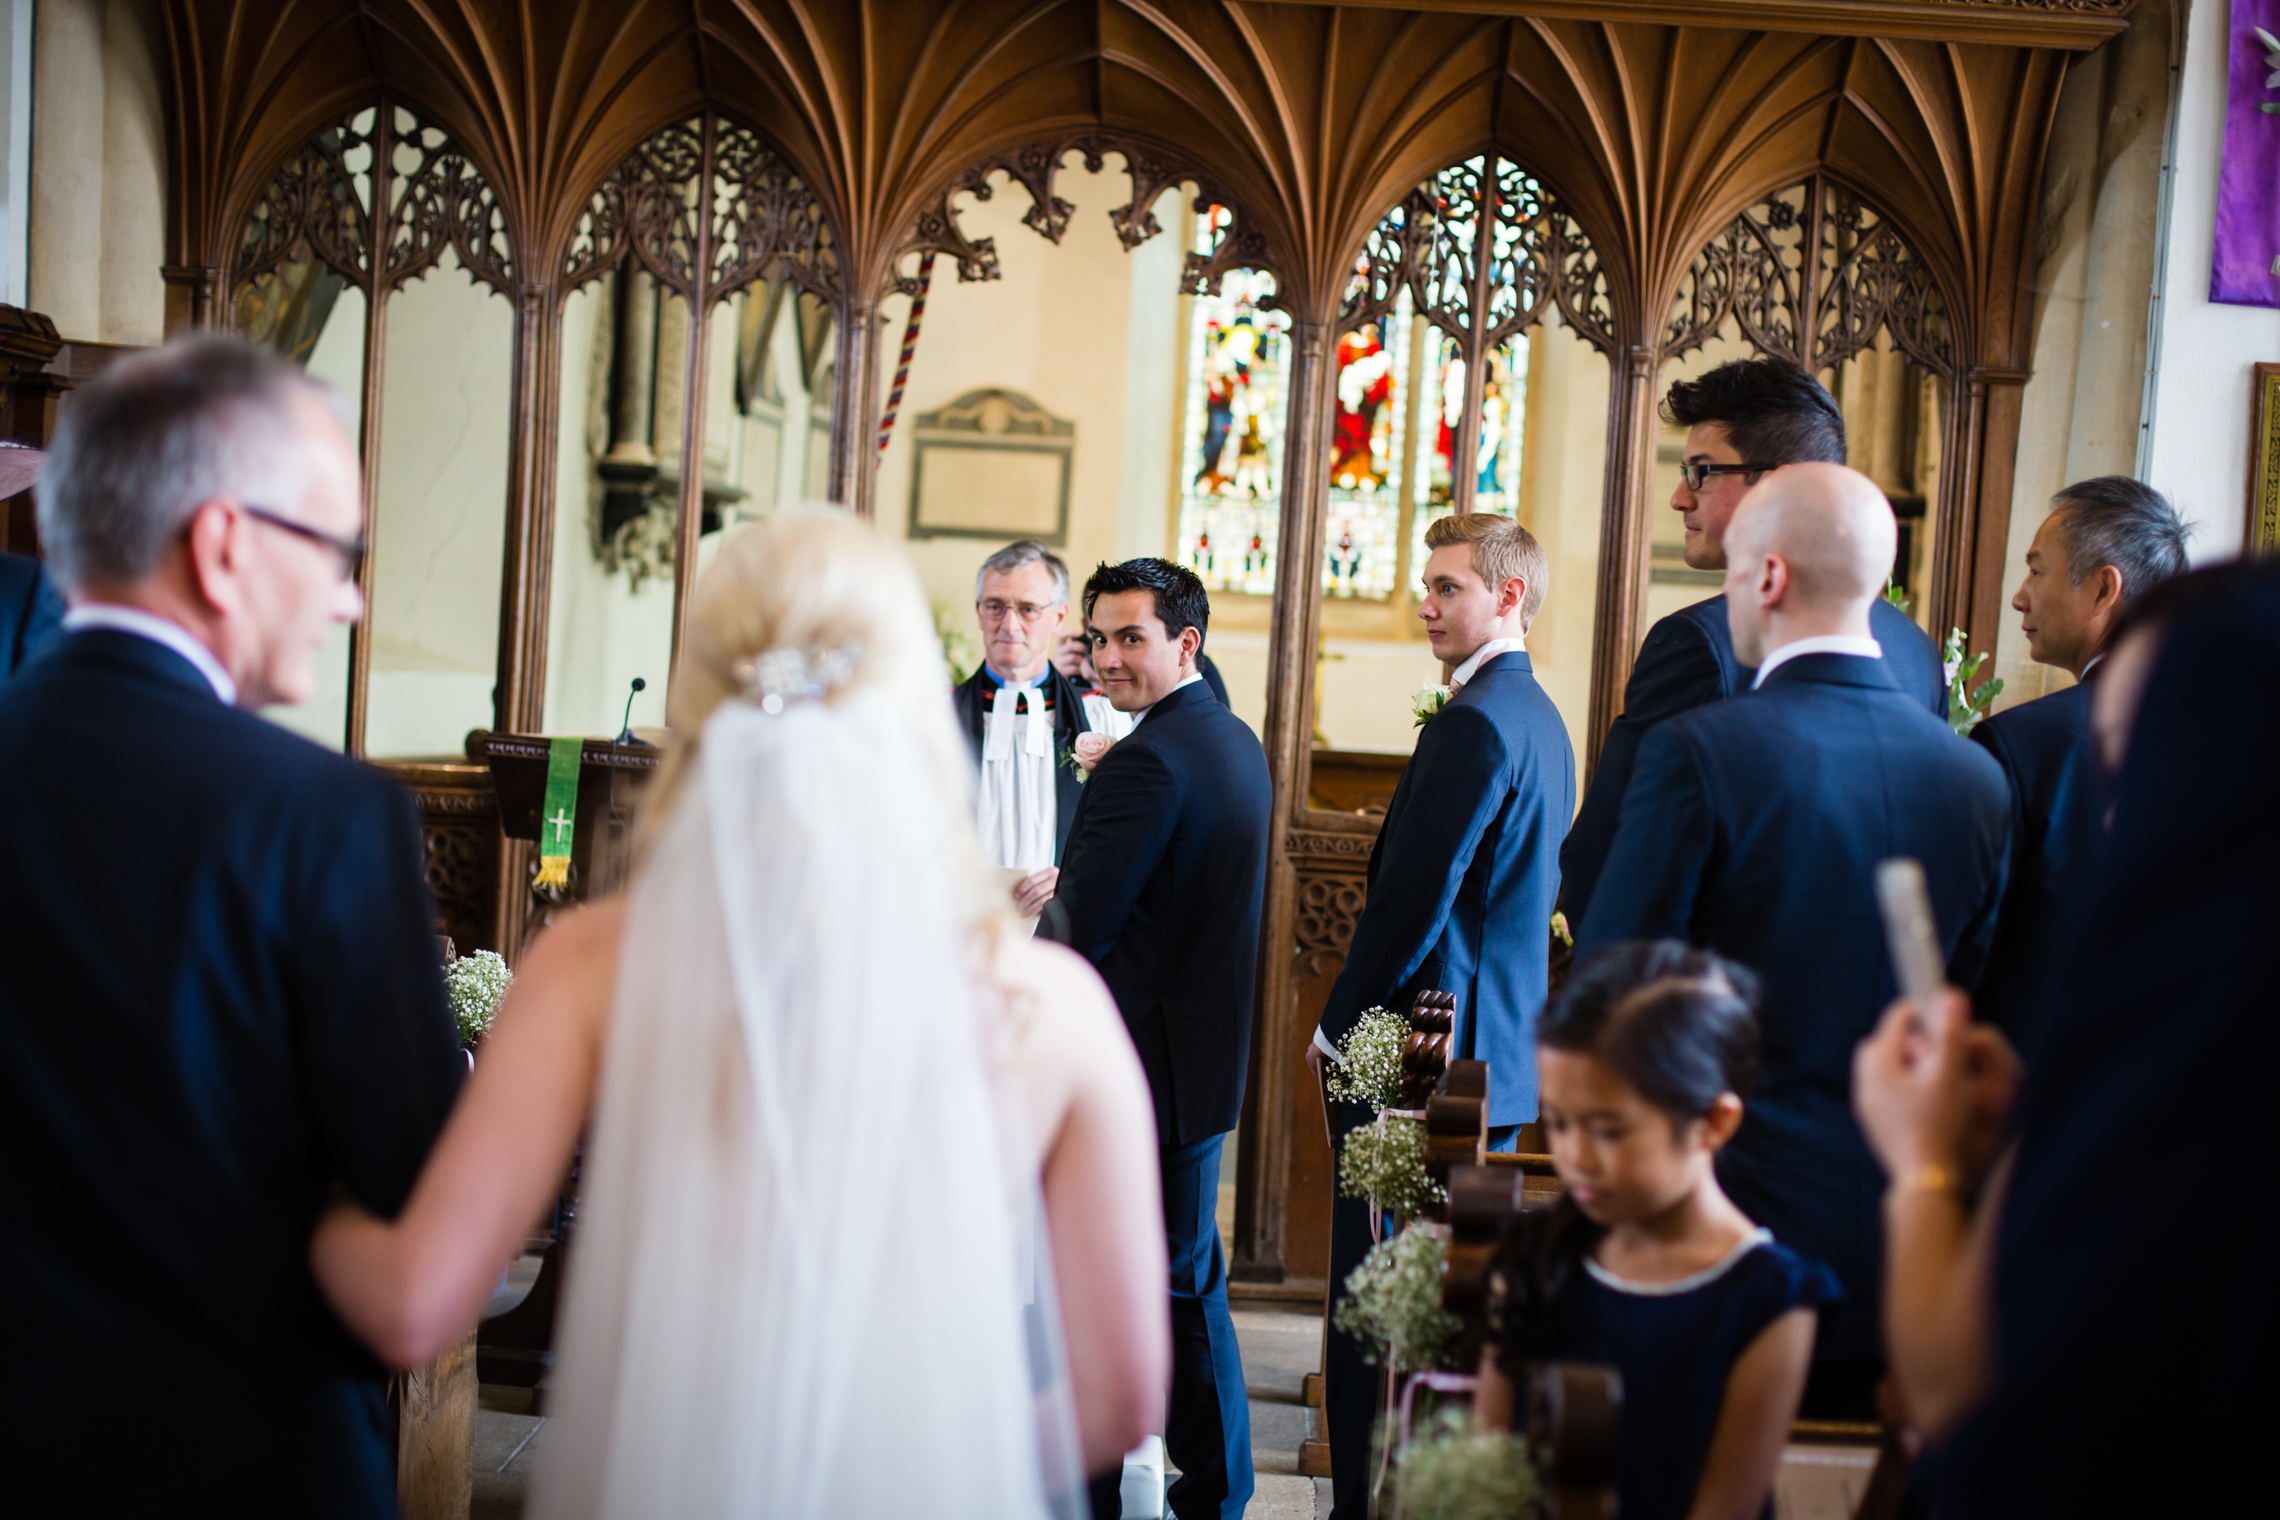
(1193, 677)
(1822, 643)
(159, 631)
(2090, 665)
(1481, 656)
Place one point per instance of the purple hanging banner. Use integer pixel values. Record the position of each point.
(2245, 270)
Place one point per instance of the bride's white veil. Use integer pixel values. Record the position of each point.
(798, 1282)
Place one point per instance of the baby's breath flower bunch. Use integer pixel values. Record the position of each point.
(1393, 1300)
(477, 981)
(1450, 1473)
(1385, 1163)
(1368, 1069)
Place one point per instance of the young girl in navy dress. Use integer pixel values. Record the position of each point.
(1644, 1059)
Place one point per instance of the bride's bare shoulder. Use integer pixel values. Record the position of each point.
(1071, 1004)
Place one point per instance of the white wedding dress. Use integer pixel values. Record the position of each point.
(806, 1279)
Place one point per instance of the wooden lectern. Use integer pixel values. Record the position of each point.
(517, 1347)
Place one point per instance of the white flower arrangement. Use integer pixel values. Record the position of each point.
(1450, 1472)
(1428, 702)
(477, 981)
(1967, 707)
(1393, 1301)
(1384, 1162)
(1368, 1069)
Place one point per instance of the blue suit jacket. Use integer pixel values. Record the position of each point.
(2151, 1096)
(1464, 875)
(1162, 883)
(2058, 827)
(31, 611)
(1686, 662)
(221, 1000)
(1753, 828)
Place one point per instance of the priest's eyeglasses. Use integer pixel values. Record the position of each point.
(995, 611)
(351, 551)
(1696, 473)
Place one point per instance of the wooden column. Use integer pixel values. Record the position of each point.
(855, 408)
(1971, 538)
(1622, 537)
(192, 297)
(1263, 1184)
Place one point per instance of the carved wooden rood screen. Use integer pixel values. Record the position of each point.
(371, 203)
(1484, 252)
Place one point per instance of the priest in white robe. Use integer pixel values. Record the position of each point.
(1022, 717)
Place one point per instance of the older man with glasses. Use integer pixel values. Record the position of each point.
(223, 1004)
(1022, 717)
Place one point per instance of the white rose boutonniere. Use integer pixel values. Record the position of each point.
(1427, 704)
(1086, 752)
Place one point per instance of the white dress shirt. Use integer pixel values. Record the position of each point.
(1479, 657)
(1820, 643)
(158, 630)
(1193, 677)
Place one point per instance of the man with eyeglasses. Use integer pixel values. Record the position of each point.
(1022, 717)
(1742, 420)
(222, 1004)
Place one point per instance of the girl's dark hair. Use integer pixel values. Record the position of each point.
(1680, 1026)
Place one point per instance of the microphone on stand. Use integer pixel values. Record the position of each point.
(625, 732)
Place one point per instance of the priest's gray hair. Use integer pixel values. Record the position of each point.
(156, 436)
(1026, 551)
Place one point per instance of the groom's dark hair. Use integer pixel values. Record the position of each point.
(1181, 601)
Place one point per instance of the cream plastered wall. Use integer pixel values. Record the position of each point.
(439, 527)
(2198, 449)
(1093, 334)
(98, 221)
(2082, 408)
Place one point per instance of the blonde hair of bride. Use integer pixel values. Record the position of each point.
(814, 578)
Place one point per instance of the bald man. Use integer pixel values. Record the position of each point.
(1752, 827)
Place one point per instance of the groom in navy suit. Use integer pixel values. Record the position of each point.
(1462, 882)
(1742, 419)
(1753, 828)
(1162, 882)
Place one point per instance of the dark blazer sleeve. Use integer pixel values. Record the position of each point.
(1677, 670)
(379, 1057)
(1662, 849)
(1213, 679)
(1990, 814)
(33, 614)
(1121, 831)
(1995, 739)
(1460, 764)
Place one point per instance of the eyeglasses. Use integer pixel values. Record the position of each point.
(350, 550)
(1697, 475)
(995, 611)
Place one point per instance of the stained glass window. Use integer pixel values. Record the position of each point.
(1238, 368)
(1432, 365)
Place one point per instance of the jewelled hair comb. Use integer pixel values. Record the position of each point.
(776, 676)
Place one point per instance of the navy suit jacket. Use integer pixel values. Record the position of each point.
(1464, 875)
(31, 611)
(972, 698)
(1753, 828)
(2151, 1097)
(1161, 889)
(2058, 827)
(1688, 661)
(221, 1000)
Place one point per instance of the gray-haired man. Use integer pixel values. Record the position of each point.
(1022, 717)
(222, 999)
(2106, 542)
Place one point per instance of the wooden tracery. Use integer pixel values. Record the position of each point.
(705, 207)
(1813, 273)
(372, 201)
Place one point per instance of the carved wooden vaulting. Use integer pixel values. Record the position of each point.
(1903, 139)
